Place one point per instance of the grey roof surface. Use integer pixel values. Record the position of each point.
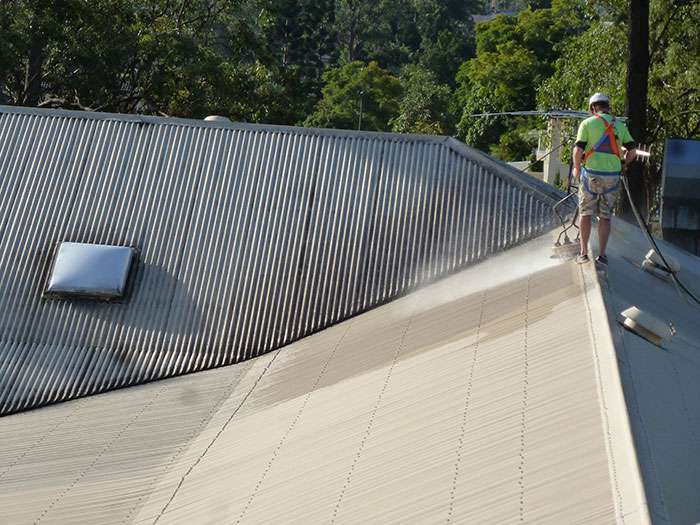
(249, 237)
(492, 396)
(662, 385)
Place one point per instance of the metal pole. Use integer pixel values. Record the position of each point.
(359, 121)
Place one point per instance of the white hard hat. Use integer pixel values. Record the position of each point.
(598, 97)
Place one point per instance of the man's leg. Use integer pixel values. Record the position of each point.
(603, 234)
(585, 229)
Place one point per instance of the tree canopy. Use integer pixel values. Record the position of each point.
(357, 95)
(413, 65)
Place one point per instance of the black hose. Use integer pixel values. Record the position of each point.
(645, 228)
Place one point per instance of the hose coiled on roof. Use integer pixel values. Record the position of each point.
(645, 229)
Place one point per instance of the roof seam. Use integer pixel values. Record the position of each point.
(603, 400)
(294, 422)
(370, 424)
(193, 434)
(463, 429)
(218, 434)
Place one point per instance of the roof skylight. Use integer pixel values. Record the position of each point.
(90, 270)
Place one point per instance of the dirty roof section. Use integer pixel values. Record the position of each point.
(249, 237)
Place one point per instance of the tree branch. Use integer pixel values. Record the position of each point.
(675, 9)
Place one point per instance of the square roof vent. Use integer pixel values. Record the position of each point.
(90, 270)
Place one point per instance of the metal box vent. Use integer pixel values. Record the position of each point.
(90, 270)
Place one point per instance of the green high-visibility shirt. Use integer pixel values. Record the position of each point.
(590, 132)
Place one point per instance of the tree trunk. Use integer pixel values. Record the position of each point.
(636, 88)
(35, 60)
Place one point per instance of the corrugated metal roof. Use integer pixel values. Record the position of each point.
(250, 237)
(489, 397)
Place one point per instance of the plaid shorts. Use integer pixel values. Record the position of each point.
(599, 198)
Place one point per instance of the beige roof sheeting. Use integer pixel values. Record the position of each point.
(489, 397)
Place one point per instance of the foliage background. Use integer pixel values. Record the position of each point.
(421, 66)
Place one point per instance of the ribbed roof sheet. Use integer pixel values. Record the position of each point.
(489, 397)
(249, 237)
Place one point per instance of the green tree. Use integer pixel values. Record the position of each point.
(493, 82)
(445, 53)
(514, 144)
(357, 23)
(674, 75)
(357, 92)
(446, 33)
(300, 38)
(424, 107)
(438, 34)
(150, 56)
(513, 56)
(578, 73)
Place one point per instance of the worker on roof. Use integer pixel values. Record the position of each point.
(597, 166)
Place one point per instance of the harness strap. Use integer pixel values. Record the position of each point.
(608, 134)
(602, 173)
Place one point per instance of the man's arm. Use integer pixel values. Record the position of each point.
(629, 144)
(577, 155)
(579, 148)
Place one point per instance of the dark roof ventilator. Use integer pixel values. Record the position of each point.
(94, 271)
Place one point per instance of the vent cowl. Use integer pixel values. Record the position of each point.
(645, 325)
(217, 118)
(90, 270)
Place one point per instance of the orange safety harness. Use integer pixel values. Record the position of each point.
(607, 143)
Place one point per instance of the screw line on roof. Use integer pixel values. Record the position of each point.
(523, 421)
(370, 424)
(602, 394)
(188, 441)
(296, 419)
(109, 444)
(218, 434)
(38, 442)
(465, 412)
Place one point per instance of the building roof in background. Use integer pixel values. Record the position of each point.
(248, 237)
